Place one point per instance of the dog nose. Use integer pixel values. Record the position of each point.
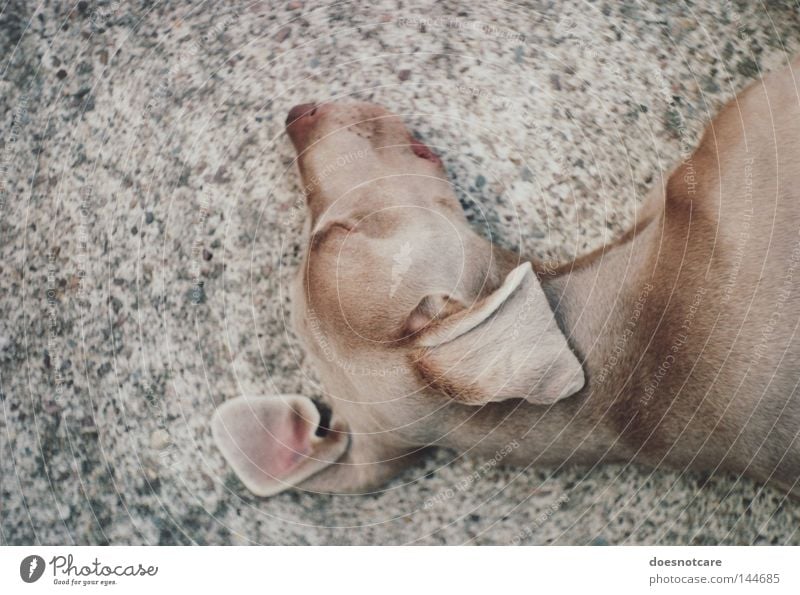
(300, 111)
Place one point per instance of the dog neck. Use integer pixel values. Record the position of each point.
(600, 303)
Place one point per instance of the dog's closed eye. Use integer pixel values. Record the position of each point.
(423, 151)
(328, 231)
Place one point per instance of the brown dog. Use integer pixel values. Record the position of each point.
(675, 346)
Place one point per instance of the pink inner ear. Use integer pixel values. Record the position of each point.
(265, 440)
(284, 442)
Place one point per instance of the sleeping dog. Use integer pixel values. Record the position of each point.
(675, 346)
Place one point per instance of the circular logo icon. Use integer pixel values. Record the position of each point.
(31, 568)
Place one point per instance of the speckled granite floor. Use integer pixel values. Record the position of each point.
(146, 193)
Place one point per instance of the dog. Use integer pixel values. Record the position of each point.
(675, 346)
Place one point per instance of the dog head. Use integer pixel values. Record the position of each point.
(402, 306)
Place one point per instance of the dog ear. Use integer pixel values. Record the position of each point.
(506, 346)
(282, 442)
(274, 443)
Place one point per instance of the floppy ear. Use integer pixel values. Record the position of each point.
(506, 346)
(274, 443)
